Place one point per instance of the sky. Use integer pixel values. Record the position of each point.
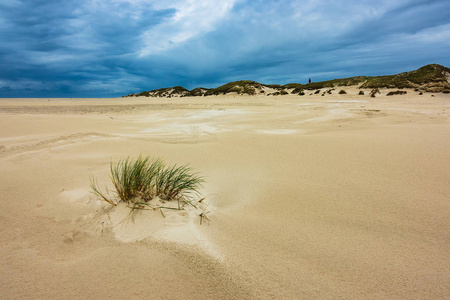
(111, 48)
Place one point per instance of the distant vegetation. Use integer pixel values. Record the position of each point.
(430, 78)
(239, 87)
(197, 92)
(374, 92)
(391, 93)
(164, 92)
(280, 93)
(298, 90)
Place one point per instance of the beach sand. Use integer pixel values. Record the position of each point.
(309, 197)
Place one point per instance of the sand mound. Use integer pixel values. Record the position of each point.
(168, 224)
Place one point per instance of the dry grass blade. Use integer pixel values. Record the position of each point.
(96, 191)
(203, 216)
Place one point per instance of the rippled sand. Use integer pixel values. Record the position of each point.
(341, 196)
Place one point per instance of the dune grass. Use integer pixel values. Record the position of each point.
(391, 93)
(137, 182)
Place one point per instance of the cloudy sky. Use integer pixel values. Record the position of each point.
(109, 48)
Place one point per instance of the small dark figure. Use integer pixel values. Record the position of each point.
(309, 80)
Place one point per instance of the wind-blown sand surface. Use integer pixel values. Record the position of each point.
(341, 196)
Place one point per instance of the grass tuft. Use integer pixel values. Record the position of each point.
(138, 181)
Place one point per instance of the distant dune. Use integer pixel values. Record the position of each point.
(430, 78)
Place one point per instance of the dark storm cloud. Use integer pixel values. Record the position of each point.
(64, 47)
(111, 48)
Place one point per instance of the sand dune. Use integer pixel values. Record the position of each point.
(340, 196)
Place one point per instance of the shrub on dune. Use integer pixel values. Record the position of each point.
(374, 92)
(391, 93)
